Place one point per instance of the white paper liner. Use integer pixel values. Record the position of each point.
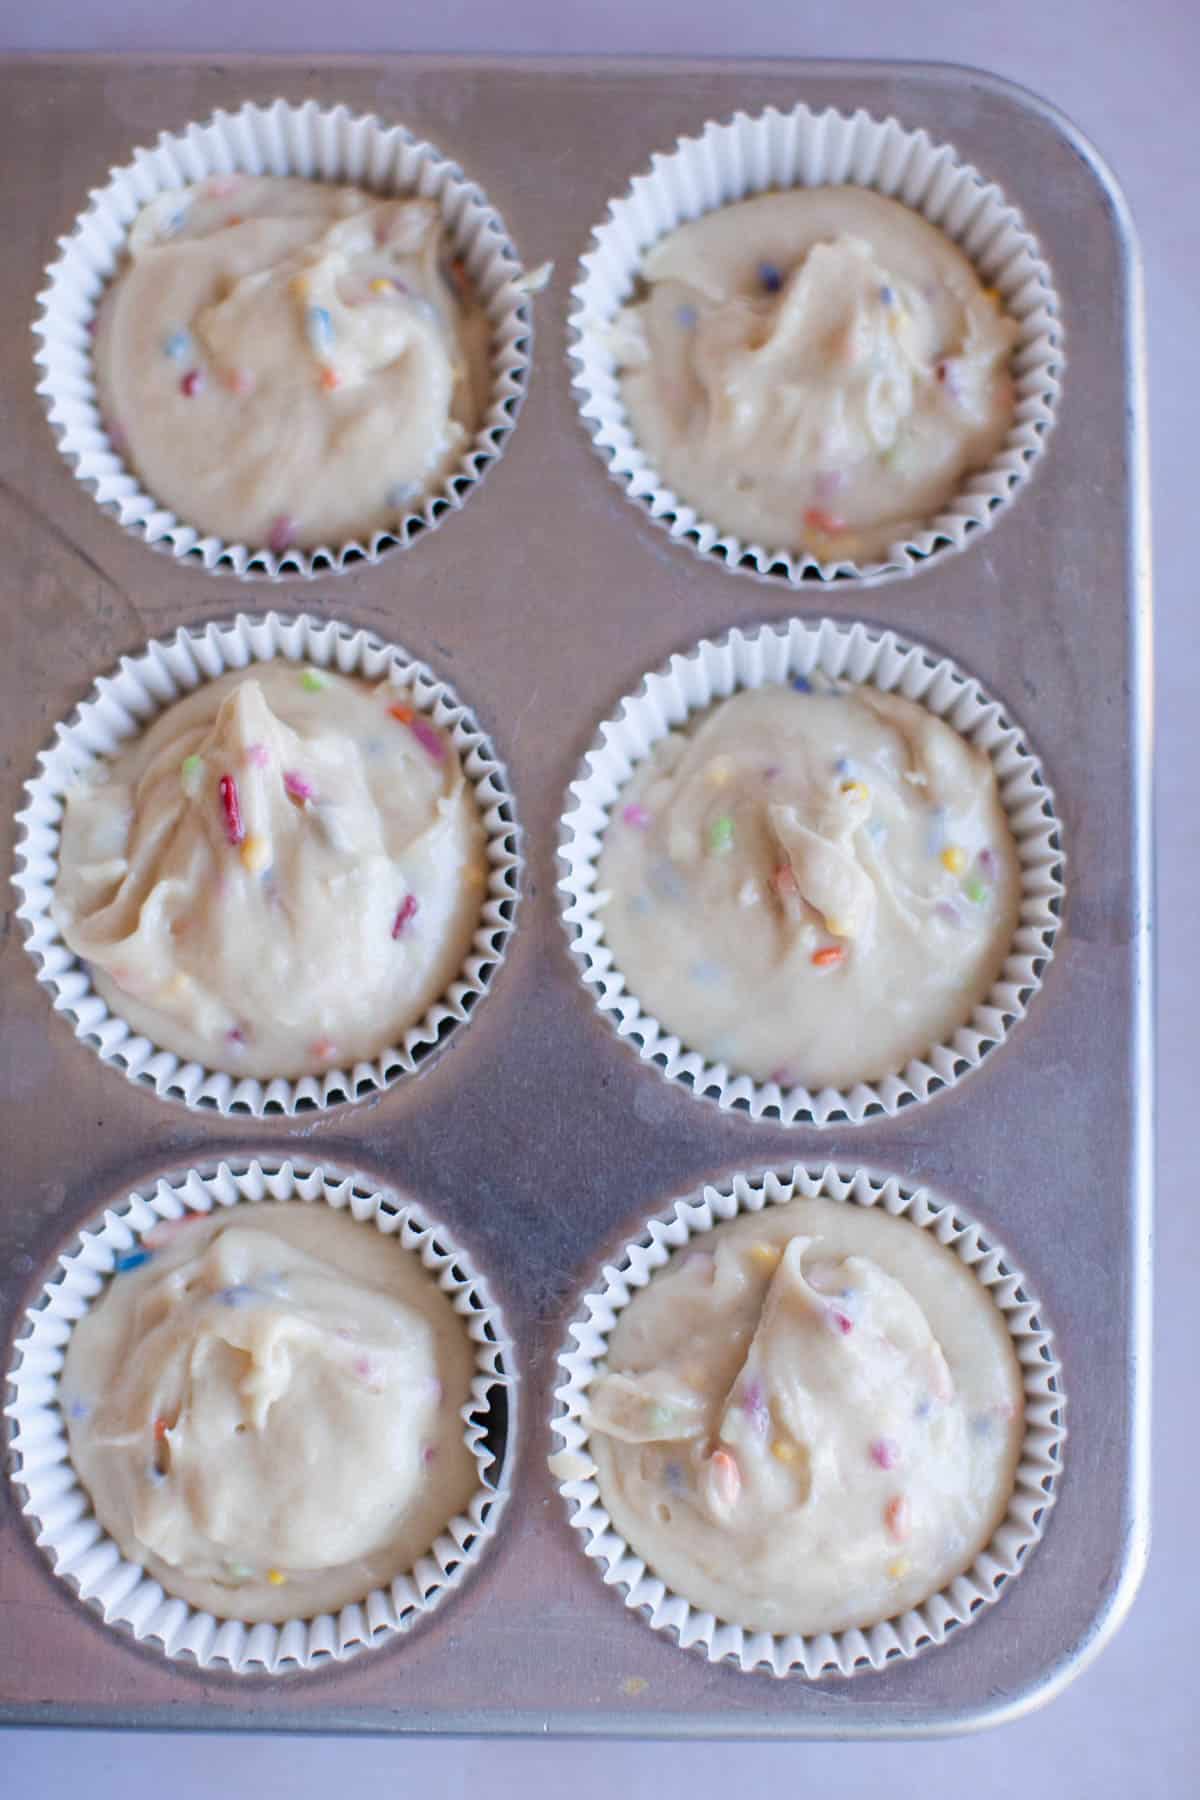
(842, 1652)
(778, 653)
(119, 708)
(272, 140)
(802, 148)
(59, 1510)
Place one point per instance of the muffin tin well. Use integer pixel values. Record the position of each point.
(534, 1137)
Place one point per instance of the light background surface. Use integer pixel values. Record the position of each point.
(1126, 71)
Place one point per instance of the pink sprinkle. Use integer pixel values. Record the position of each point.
(839, 1321)
(283, 534)
(258, 755)
(227, 788)
(235, 1036)
(427, 737)
(782, 1077)
(754, 1405)
(885, 1453)
(408, 908)
(191, 384)
(295, 786)
(987, 861)
(429, 1454)
(362, 1368)
(636, 815)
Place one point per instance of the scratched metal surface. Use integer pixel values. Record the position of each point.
(537, 1136)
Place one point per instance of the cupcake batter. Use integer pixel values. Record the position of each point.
(287, 362)
(266, 1410)
(815, 370)
(280, 876)
(810, 1419)
(810, 887)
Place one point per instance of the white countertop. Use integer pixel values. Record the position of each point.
(1127, 74)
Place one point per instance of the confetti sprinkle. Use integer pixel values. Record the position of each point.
(898, 1568)
(784, 1451)
(191, 384)
(276, 1577)
(897, 1518)
(924, 1407)
(801, 684)
(403, 714)
(636, 815)
(829, 524)
(720, 835)
(766, 1257)
(235, 1037)
(240, 1294)
(191, 775)
(770, 277)
(382, 284)
(726, 1478)
(178, 346)
(296, 787)
(240, 382)
(330, 378)
(320, 327)
(235, 831)
(256, 854)
(829, 957)
(856, 790)
(887, 295)
(976, 892)
(673, 1474)
(948, 913)
(981, 1425)
(429, 1454)
(312, 681)
(282, 534)
(839, 1321)
(132, 1259)
(885, 1453)
(323, 1049)
(954, 859)
(754, 1405)
(161, 1429)
(633, 1685)
(719, 772)
(686, 316)
(987, 861)
(427, 737)
(408, 910)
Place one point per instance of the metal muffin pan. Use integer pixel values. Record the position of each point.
(540, 1139)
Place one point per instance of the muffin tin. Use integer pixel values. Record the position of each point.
(540, 1139)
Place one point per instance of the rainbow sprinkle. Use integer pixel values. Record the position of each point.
(312, 682)
(686, 315)
(133, 1259)
(320, 327)
(177, 346)
(276, 1577)
(232, 808)
(407, 911)
(897, 1518)
(720, 835)
(954, 859)
(295, 786)
(885, 1453)
(191, 775)
(976, 892)
(191, 384)
(636, 815)
(784, 1451)
(829, 957)
(839, 1321)
(256, 854)
(770, 277)
(802, 684)
(282, 534)
(427, 737)
(727, 1477)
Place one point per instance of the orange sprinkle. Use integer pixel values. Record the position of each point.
(817, 519)
(897, 1518)
(403, 713)
(826, 958)
(329, 377)
(161, 1429)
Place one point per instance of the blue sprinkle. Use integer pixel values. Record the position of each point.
(770, 277)
(924, 1407)
(133, 1259)
(887, 295)
(674, 1475)
(981, 1425)
(241, 1295)
(706, 973)
(843, 766)
(686, 315)
(848, 1293)
(320, 327)
(78, 1409)
(802, 684)
(178, 346)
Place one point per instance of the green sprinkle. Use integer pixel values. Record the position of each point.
(720, 836)
(976, 892)
(311, 682)
(191, 774)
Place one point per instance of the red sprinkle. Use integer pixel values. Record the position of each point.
(227, 788)
(408, 909)
(840, 1321)
(826, 958)
(295, 786)
(191, 384)
(817, 519)
(161, 1429)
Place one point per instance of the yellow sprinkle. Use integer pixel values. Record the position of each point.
(381, 285)
(256, 854)
(178, 986)
(301, 286)
(838, 928)
(993, 294)
(898, 1569)
(855, 790)
(720, 772)
(783, 1451)
(276, 1577)
(633, 1685)
(954, 859)
(766, 1256)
